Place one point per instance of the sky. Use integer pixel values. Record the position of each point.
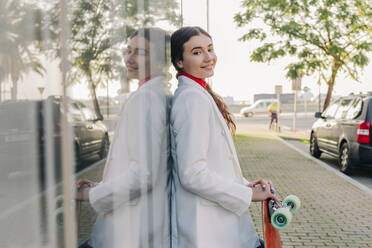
(235, 75)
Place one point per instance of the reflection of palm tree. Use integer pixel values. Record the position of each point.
(16, 52)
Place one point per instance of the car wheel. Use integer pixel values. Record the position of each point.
(246, 115)
(344, 159)
(104, 148)
(314, 148)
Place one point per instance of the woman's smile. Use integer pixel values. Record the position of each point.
(208, 67)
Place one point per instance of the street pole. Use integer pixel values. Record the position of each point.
(181, 13)
(295, 111)
(319, 93)
(278, 91)
(209, 79)
(208, 16)
(319, 99)
(278, 113)
(41, 90)
(108, 101)
(296, 86)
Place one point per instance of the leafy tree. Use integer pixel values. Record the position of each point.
(18, 32)
(326, 36)
(98, 30)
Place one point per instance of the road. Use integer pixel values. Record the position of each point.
(362, 175)
(303, 121)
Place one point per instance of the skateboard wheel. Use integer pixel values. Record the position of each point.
(59, 201)
(281, 218)
(293, 202)
(59, 217)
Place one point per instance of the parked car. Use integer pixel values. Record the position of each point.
(31, 134)
(343, 130)
(258, 107)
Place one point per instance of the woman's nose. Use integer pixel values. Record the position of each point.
(208, 56)
(129, 58)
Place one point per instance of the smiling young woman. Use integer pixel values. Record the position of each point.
(210, 196)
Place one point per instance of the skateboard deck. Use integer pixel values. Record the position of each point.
(271, 234)
(276, 216)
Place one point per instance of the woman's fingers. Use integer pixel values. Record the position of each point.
(274, 197)
(271, 185)
(260, 195)
(266, 185)
(84, 182)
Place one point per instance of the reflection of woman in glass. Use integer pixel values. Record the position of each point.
(210, 198)
(131, 199)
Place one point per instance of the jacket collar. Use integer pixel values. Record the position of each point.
(202, 82)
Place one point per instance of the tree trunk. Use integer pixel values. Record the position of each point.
(14, 90)
(331, 83)
(94, 95)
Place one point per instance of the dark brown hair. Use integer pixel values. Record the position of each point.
(160, 38)
(178, 39)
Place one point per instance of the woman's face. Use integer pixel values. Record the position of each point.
(199, 58)
(137, 58)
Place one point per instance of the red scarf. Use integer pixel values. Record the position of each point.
(198, 80)
(142, 82)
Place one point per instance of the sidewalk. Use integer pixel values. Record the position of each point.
(334, 213)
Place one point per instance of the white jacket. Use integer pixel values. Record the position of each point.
(210, 199)
(132, 199)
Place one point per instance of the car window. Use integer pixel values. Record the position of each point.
(88, 114)
(343, 108)
(261, 105)
(75, 114)
(331, 110)
(355, 109)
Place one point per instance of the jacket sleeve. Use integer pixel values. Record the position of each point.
(145, 131)
(191, 119)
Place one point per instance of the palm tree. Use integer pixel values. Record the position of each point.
(17, 55)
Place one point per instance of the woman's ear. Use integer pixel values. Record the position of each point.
(180, 64)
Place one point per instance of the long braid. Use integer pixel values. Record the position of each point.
(223, 109)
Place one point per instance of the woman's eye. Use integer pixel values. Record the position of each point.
(211, 50)
(196, 53)
(127, 52)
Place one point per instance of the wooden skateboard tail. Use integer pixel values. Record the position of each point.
(271, 234)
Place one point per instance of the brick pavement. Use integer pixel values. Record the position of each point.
(87, 214)
(334, 213)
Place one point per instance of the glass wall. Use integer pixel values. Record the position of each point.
(84, 136)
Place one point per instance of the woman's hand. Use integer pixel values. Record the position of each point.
(83, 187)
(266, 185)
(262, 190)
(258, 194)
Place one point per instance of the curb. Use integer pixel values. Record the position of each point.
(326, 166)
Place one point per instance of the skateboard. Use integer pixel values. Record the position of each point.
(277, 216)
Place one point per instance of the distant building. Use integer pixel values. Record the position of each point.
(284, 98)
(229, 100)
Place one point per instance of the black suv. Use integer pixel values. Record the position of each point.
(343, 130)
(31, 134)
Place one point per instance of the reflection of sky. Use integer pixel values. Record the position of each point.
(235, 75)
